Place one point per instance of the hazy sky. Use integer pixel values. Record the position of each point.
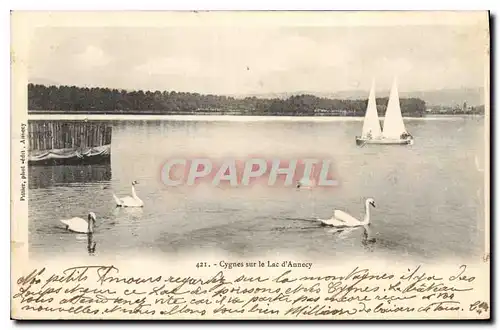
(239, 60)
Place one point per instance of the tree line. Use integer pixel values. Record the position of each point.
(72, 99)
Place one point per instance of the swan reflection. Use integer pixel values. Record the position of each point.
(367, 238)
(130, 211)
(91, 244)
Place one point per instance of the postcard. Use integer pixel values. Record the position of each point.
(250, 165)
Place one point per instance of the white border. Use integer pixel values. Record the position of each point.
(183, 5)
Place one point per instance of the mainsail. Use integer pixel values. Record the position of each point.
(371, 124)
(393, 123)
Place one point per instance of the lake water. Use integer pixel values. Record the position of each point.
(429, 196)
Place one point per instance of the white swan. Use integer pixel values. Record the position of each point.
(79, 225)
(128, 201)
(342, 219)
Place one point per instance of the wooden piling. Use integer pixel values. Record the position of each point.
(74, 142)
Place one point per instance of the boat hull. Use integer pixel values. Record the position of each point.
(362, 141)
(89, 156)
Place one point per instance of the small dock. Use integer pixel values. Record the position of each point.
(68, 142)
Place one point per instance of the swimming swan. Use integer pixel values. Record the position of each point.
(342, 219)
(79, 225)
(128, 201)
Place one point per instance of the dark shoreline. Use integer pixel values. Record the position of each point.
(73, 100)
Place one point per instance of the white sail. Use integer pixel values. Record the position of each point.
(371, 124)
(393, 123)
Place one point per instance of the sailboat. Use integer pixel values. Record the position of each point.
(371, 124)
(394, 130)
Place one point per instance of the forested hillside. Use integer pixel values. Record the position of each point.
(72, 99)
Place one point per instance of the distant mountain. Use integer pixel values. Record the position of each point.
(443, 97)
(43, 81)
(450, 97)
